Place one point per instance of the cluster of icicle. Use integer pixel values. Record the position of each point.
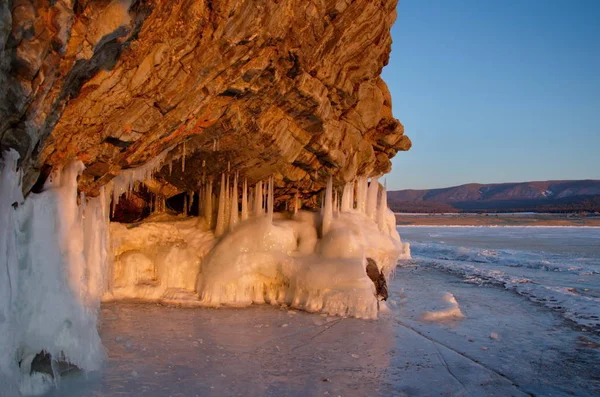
(356, 196)
(360, 196)
(129, 179)
(256, 202)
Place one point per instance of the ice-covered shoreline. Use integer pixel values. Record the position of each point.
(554, 268)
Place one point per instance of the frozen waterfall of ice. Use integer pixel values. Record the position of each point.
(54, 255)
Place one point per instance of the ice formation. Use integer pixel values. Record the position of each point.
(452, 312)
(54, 256)
(61, 257)
(306, 260)
(127, 179)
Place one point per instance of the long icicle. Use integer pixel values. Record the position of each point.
(258, 195)
(361, 196)
(227, 204)
(382, 210)
(220, 228)
(270, 199)
(327, 208)
(296, 203)
(208, 206)
(372, 198)
(234, 214)
(245, 200)
(347, 197)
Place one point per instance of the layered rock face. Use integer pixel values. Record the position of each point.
(288, 88)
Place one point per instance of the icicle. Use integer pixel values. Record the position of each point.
(245, 200)
(127, 178)
(346, 199)
(234, 214)
(327, 217)
(185, 205)
(228, 167)
(372, 198)
(382, 209)
(335, 202)
(220, 228)
(183, 159)
(190, 201)
(227, 204)
(361, 194)
(270, 200)
(296, 204)
(258, 195)
(208, 206)
(250, 200)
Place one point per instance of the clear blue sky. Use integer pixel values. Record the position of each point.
(496, 91)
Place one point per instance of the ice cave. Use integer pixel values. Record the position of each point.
(63, 256)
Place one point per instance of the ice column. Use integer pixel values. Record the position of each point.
(234, 216)
(208, 206)
(361, 194)
(258, 195)
(372, 198)
(96, 245)
(328, 208)
(10, 193)
(220, 227)
(348, 197)
(382, 210)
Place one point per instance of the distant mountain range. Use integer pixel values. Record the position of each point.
(548, 196)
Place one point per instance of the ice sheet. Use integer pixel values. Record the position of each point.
(557, 267)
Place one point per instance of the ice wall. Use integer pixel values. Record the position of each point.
(54, 253)
(158, 259)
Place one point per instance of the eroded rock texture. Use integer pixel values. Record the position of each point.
(289, 88)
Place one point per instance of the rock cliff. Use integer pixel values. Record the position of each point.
(288, 88)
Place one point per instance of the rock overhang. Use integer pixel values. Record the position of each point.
(288, 89)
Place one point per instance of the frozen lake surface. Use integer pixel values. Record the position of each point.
(556, 266)
(486, 340)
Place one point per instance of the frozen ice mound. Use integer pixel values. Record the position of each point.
(283, 262)
(154, 258)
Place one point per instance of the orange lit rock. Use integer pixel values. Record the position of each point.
(288, 88)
